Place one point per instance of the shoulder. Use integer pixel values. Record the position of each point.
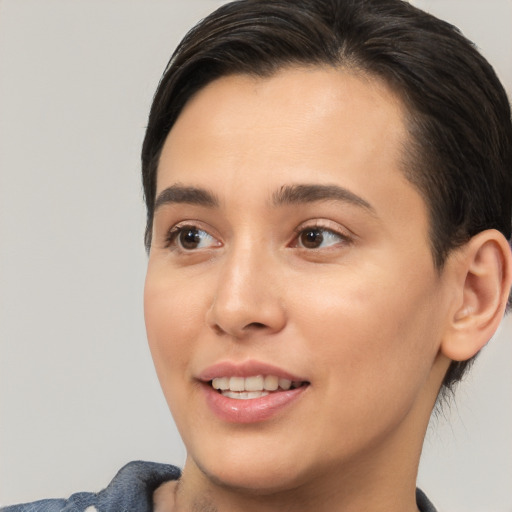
(131, 489)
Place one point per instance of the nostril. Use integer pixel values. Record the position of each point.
(255, 325)
(218, 329)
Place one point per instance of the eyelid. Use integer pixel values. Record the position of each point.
(325, 225)
(174, 231)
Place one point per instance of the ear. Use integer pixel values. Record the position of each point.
(484, 275)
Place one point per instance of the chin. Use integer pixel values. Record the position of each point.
(254, 470)
(252, 481)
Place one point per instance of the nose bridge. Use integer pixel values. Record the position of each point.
(247, 295)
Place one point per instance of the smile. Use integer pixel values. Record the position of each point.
(256, 386)
(250, 391)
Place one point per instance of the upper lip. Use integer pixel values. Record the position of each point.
(246, 369)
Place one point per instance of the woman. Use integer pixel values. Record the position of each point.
(328, 249)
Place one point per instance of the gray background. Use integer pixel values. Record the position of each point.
(78, 397)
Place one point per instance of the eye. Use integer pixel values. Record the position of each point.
(190, 238)
(317, 237)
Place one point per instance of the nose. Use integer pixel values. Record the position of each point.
(248, 298)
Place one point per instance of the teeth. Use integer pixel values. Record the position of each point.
(221, 383)
(253, 386)
(285, 384)
(245, 395)
(271, 382)
(237, 384)
(254, 383)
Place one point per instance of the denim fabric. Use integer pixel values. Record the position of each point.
(130, 491)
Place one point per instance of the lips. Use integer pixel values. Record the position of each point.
(246, 369)
(251, 391)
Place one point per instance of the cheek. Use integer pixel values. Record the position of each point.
(372, 358)
(371, 332)
(172, 322)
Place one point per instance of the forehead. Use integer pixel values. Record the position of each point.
(320, 122)
(294, 115)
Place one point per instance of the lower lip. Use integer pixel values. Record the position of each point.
(251, 410)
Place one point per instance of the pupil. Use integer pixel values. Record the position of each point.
(312, 238)
(190, 239)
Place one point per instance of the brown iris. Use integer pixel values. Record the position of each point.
(311, 238)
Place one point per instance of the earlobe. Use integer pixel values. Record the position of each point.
(484, 265)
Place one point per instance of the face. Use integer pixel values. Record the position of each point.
(291, 268)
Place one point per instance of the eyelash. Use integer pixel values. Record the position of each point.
(318, 226)
(172, 239)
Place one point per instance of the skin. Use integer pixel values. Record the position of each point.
(363, 316)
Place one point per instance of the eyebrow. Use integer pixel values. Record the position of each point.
(190, 195)
(286, 195)
(306, 193)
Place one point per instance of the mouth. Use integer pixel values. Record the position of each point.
(251, 391)
(253, 387)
